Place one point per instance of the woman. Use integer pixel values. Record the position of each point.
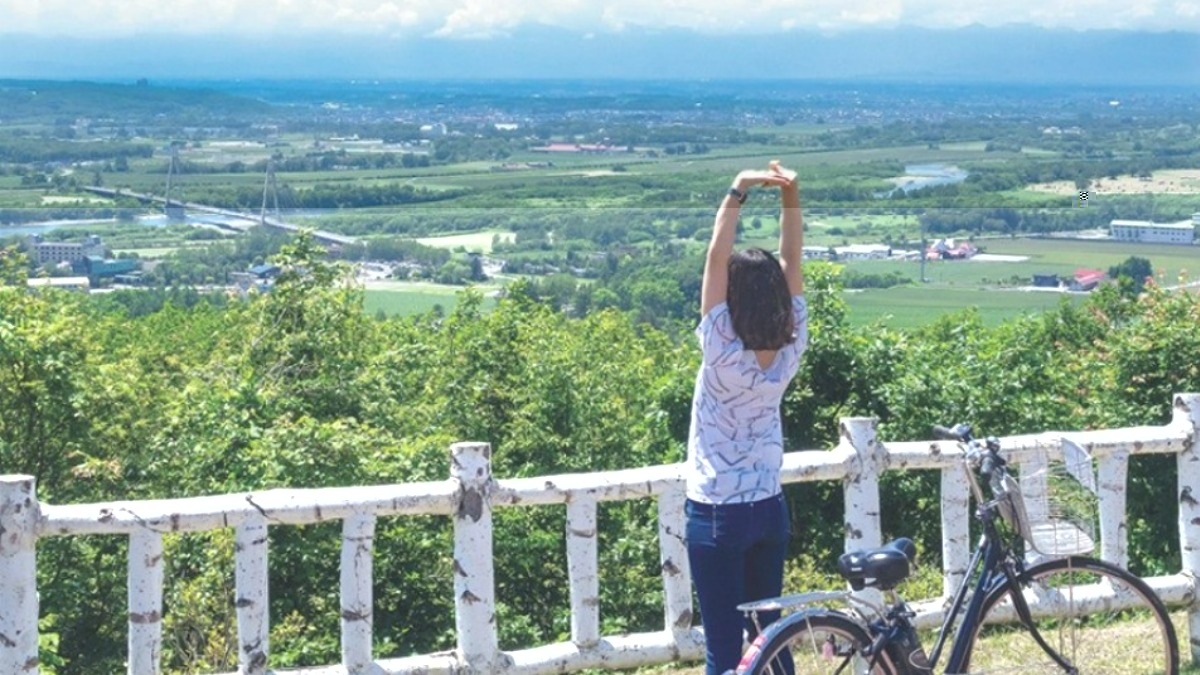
(753, 329)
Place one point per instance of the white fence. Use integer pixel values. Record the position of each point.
(470, 495)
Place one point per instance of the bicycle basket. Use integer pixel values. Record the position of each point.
(1053, 504)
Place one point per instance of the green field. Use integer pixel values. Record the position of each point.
(578, 181)
(954, 285)
(480, 174)
(997, 289)
(1169, 261)
(1044, 256)
(906, 307)
(730, 162)
(475, 241)
(409, 298)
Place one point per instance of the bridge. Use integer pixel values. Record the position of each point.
(175, 206)
(471, 495)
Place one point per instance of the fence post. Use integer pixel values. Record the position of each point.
(19, 515)
(861, 487)
(583, 571)
(145, 602)
(358, 604)
(250, 582)
(474, 575)
(677, 573)
(956, 528)
(1186, 410)
(1113, 473)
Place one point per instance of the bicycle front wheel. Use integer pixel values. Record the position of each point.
(813, 643)
(1097, 617)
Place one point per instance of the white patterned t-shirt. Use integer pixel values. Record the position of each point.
(735, 444)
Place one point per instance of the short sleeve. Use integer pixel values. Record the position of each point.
(800, 321)
(718, 341)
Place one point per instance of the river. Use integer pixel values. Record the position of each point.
(917, 176)
(157, 220)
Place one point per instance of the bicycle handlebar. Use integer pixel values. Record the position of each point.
(984, 455)
(960, 432)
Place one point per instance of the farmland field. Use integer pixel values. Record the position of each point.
(1167, 181)
(907, 307)
(1043, 256)
(958, 284)
(1169, 261)
(998, 289)
(475, 241)
(571, 208)
(407, 298)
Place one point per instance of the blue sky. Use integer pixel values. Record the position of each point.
(482, 19)
(1046, 41)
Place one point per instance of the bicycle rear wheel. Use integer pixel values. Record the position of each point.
(813, 643)
(1098, 617)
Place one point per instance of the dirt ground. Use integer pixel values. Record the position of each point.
(1169, 181)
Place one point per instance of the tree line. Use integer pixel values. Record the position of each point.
(106, 400)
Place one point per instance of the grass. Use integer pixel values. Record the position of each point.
(1168, 260)
(409, 298)
(1120, 648)
(1124, 656)
(954, 285)
(908, 307)
(150, 252)
(475, 241)
(1058, 256)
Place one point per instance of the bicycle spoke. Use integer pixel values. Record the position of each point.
(1095, 618)
(821, 645)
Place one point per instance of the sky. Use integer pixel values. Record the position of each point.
(483, 19)
(1068, 41)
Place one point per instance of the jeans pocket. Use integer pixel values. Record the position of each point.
(785, 518)
(703, 523)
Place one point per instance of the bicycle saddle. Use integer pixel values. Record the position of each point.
(881, 568)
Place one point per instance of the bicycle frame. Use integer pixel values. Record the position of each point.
(993, 565)
(996, 567)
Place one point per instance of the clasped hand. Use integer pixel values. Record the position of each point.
(774, 176)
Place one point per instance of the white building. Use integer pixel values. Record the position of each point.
(863, 252)
(62, 251)
(1183, 232)
(65, 283)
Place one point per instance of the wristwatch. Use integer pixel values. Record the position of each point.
(738, 195)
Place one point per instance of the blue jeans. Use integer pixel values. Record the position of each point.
(736, 552)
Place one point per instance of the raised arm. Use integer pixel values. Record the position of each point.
(791, 231)
(715, 285)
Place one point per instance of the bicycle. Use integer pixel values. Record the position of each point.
(1071, 611)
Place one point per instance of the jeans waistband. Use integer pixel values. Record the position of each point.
(705, 507)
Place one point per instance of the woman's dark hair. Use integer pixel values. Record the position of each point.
(760, 305)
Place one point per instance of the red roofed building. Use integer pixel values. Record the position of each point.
(947, 249)
(1086, 280)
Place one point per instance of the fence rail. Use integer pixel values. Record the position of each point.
(469, 497)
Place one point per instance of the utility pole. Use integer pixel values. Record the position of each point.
(173, 212)
(271, 188)
(924, 248)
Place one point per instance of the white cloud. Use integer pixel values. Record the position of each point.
(486, 18)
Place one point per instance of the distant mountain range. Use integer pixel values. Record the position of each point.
(974, 54)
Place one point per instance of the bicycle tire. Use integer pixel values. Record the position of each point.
(817, 642)
(1113, 623)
